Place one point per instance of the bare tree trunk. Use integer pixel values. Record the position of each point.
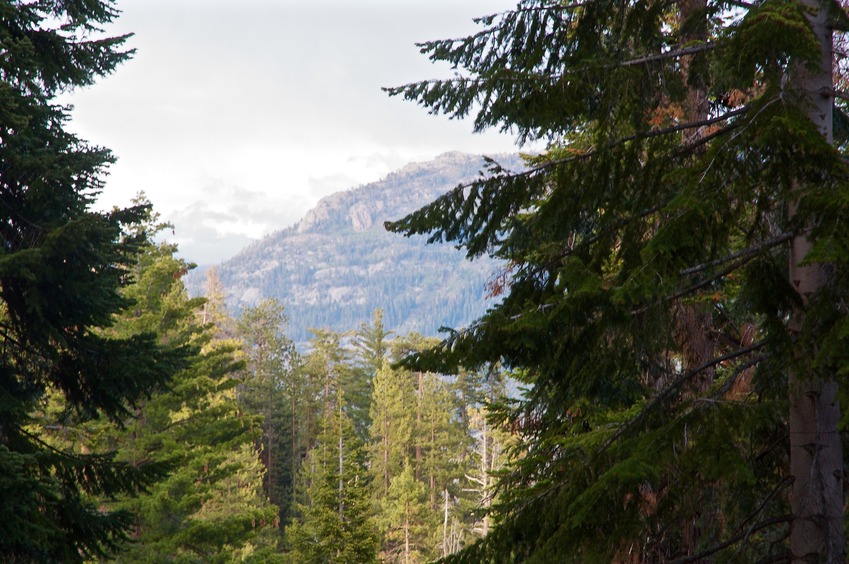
(816, 456)
(485, 464)
(445, 525)
(407, 535)
(419, 425)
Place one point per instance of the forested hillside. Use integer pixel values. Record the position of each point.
(673, 302)
(338, 264)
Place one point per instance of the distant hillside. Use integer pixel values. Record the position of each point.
(338, 264)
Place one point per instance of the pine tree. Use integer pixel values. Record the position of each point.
(333, 522)
(405, 519)
(391, 428)
(331, 367)
(647, 300)
(61, 270)
(371, 345)
(271, 363)
(211, 505)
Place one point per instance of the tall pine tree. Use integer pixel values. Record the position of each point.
(676, 274)
(271, 361)
(61, 268)
(333, 522)
(211, 506)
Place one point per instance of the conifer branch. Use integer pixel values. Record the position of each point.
(745, 252)
(735, 539)
(514, 76)
(487, 20)
(691, 50)
(733, 378)
(741, 4)
(682, 379)
(744, 257)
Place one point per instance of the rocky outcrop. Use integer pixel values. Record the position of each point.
(337, 264)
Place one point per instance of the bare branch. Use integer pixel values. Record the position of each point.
(735, 539)
(757, 249)
(667, 392)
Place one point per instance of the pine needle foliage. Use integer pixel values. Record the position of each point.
(62, 266)
(639, 211)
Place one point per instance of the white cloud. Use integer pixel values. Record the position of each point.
(236, 116)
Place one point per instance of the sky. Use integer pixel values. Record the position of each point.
(236, 116)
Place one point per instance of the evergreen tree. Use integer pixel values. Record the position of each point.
(647, 301)
(61, 270)
(404, 515)
(392, 420)
(333, 522)
(211, 506)
(371, 345)
(329, 365)
(271, 361)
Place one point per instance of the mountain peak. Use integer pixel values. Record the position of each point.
(338, 264)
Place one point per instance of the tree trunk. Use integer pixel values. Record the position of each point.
(341, 477)
(419, 425)
(385, 454)
(816, 457)
(487, 500)
(445, 525)
(407, 535)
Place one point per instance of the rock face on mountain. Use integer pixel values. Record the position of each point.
(338, 264)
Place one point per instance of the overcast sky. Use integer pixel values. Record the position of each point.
(236, 116)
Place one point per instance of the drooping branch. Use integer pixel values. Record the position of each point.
(676, 385)
(750, 251)
(736, 538)
(742, 258)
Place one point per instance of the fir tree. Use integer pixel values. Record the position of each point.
(391, 427)
(371, 345)
(61, 270)
(210, 506)
(647, 300)
(405, 519)
(333, 522)
(270, 364)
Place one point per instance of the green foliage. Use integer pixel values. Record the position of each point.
(268, 390)
(404, 514)
(62, 268)
(211, 506)
(334, 522)
(647, 225)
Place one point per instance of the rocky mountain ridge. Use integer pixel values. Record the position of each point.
(338, 264)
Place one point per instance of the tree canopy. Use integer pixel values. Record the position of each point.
(62, 268)
(676, 274)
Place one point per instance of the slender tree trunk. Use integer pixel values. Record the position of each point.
(385, 454)
(295, 450)
(432, 463)
(487, 500)
(341, 480)
(445, 525)
(419, 425)
(407, 535)
(816, 456)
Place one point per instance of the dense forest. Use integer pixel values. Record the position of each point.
(672, 305)
(333, 455)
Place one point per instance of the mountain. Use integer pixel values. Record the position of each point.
(338, 264)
